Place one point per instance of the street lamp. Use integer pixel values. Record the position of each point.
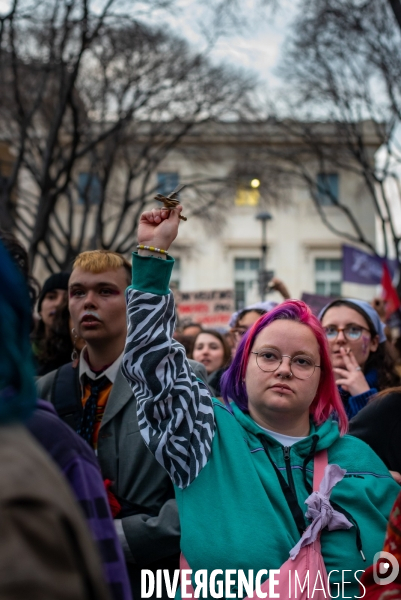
(263, 217)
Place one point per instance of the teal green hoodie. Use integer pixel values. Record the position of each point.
(234, 514)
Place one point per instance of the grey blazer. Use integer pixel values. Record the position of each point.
(153, 533)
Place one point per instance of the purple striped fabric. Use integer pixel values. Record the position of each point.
(78, 462)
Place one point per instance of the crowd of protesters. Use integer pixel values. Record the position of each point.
(141, 439)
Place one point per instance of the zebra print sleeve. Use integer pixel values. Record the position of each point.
(175, 410)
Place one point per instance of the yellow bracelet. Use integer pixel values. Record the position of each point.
(152, 249)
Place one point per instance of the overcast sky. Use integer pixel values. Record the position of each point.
(255, 45)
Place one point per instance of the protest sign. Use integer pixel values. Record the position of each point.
(210, 308)
(316, 302)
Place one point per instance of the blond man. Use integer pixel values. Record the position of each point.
(92, 396)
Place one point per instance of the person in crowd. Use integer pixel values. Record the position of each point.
(93, 397)
(192, 329)
(78, 463)
(358, 349)
(243, 471)
(212, 350)
(51, 348)
(63, 327)
(379, 304)
(20, 257)
(187, 335)
(187, 341)
(229, 337)
(188, 344)
(46, 551)
(379, 425)
(241, 321)
(55, 347)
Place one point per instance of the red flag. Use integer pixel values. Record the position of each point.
(389, 293)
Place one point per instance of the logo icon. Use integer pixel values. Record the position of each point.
(385, 568)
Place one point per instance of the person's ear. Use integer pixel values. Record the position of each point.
(374, 343)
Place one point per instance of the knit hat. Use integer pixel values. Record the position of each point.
(369, 311)
(266, 306)
(57, 281)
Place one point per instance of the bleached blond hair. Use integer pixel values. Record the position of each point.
(99, 261)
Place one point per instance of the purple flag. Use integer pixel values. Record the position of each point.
(361, 267)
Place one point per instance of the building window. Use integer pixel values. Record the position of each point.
(327, 188)
(245, 277)
(89, 188)
(328, 276)
(167, 182)
(247, 193)
(175, 275)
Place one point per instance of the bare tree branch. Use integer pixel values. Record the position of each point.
(343, 66)
(103, 97)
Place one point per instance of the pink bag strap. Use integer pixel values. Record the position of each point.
(319, 465)
(183, 562)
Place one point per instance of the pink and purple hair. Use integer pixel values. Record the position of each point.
(327, 400)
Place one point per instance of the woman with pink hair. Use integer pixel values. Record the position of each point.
(243, 470)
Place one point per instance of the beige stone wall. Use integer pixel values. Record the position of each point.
(296, 235)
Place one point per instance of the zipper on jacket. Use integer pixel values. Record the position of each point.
(286, 451)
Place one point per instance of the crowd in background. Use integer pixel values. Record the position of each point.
(377, 389)
(81, 426)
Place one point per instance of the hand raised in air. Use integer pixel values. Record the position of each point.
(159, 227)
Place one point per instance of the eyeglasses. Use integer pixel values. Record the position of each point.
(352, 333)
(301, 366)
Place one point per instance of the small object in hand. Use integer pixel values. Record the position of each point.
(171, 200)
(358, 369)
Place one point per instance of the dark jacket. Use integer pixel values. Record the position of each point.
(153, 532)
(379, 425)
(152, 529)
(46, 550)
(213, 381)
(78, 463)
